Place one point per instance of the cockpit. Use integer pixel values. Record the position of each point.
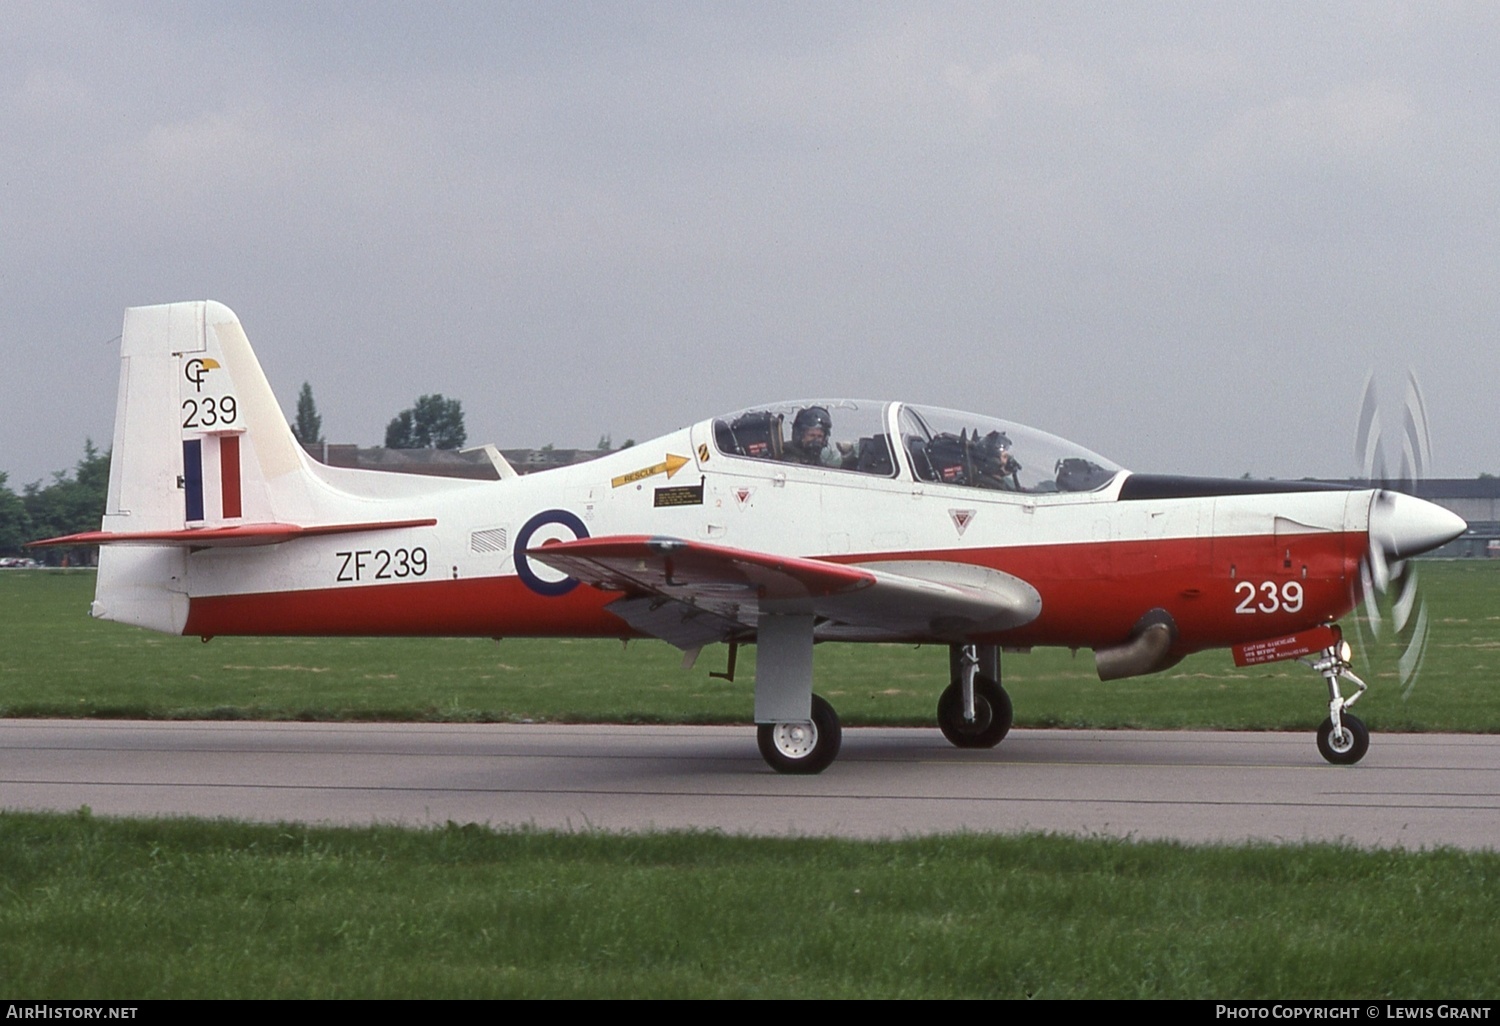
(899, 440)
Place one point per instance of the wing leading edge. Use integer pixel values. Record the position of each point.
(691, 593)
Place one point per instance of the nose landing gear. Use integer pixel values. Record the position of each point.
(1343, 738)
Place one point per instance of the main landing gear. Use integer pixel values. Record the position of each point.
(798, 731)
(802, 747)
(1343, 738)
(974, 710)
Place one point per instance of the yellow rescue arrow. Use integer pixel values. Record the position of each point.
(671, 465)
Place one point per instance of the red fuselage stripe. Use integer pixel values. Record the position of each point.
(1220, 591)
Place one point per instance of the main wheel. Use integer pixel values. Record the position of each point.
(1346, 747)
(992, 714)
(802, 747)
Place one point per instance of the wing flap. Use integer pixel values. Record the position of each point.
(684, 624)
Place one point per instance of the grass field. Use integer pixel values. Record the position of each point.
(175, 909)
(55, 661)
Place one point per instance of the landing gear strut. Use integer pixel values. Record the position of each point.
(798, 731)
(974, 710)
(1343, 738)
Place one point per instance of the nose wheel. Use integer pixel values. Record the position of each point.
(1345, 744)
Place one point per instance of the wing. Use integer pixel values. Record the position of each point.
(690, 593)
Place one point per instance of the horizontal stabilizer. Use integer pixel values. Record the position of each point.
(226, 537)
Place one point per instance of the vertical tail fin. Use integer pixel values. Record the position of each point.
(199, 437)
(199, 441)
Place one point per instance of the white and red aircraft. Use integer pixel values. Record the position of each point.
(784, 525)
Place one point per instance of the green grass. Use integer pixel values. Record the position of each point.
(172, 909)
(55, 661)
(161, 909)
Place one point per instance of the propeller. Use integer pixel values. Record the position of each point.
(1388, 580)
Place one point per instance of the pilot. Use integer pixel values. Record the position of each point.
(809, 445)
(967, 459)
(994, 466)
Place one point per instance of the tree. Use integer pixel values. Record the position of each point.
(432, 423)
(15, 524)
(70, 505)
(309, 426)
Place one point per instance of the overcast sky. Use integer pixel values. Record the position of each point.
(1178, 234)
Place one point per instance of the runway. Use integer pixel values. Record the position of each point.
(1411, 791)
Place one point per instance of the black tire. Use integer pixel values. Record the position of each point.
(802, 747)
(993, 714)
(1349, 747)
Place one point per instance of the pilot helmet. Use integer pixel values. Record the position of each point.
(992, 451)
(810, 417)
(996, 441)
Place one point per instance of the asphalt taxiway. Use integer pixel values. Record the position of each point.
(1411, 790)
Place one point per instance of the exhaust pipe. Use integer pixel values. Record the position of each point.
(1148, 650)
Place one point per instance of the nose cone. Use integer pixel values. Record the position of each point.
(1403, 525)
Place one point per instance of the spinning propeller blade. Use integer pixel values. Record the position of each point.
(1395, 532)
(1367, 451)
(1371, 599)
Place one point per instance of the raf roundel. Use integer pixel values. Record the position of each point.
(529, 577)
